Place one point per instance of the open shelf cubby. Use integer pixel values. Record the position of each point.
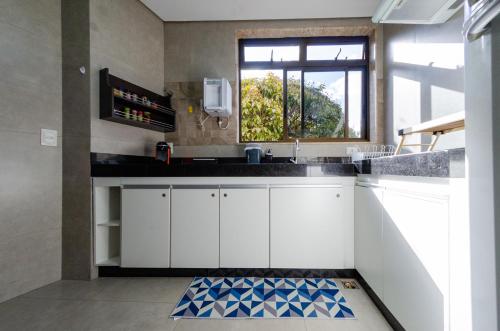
(117, 96)
(107, 220)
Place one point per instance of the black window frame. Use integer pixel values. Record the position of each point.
(305, 65)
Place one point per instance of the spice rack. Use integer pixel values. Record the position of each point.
(129, 104)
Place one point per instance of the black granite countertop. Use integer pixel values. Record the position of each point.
(447, 163)
(110, 165)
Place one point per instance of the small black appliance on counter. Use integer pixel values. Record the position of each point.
(163, 152)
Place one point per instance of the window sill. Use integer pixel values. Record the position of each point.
(310, 140)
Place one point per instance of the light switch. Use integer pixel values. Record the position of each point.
(48, 137)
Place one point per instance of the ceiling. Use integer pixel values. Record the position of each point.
(229, 10)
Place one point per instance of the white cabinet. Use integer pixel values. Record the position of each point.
(107, 222)
(368, 217)
(407, 249)
(195, 227)
(145, 239)
(416, 259)
(307, 227)
(244, 228)
(218, 222)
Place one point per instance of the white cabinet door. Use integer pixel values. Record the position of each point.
(368, 216)
(244, 228)
(416, 274)
(145, 228)
(306, 227)
(195, 227)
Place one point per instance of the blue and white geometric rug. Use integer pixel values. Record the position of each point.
(253, 297)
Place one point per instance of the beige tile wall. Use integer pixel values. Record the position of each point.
(209, 49)
(128, 39)
(31, 175)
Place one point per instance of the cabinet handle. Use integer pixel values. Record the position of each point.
(225, 195)
(213, 195)
(163, 195)
(338, 195)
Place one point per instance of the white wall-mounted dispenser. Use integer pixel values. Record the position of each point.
(217, 98)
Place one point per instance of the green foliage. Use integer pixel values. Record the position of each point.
(293, 105)
(262, 110)
(323, 117)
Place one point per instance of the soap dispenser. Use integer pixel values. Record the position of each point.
(269, 156)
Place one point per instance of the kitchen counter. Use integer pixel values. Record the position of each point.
(109, 165)
(444, 164)
(447, 164)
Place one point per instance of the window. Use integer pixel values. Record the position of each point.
(309, 88)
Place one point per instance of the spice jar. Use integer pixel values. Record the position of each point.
(140, 116)
(135, 97)
(144, 100)
(134, 115)
(128, 95)
(127, 113)
(147, 117)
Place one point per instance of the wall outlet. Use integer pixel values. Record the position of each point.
(48, 137)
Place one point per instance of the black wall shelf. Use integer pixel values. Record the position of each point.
(114, 102)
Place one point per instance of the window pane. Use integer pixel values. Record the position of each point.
(324, 100)
(261, 105)
(330, 52)
(355, 90)
(293, 103)
(277, 53)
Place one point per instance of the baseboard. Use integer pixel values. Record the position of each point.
(389, 317)
(111, 271)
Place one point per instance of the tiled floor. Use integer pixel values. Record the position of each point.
(145, 304)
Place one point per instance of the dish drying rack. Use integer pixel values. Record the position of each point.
(371, 152)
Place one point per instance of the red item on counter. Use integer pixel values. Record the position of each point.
(168, 155)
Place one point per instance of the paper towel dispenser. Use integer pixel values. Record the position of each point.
(217, 97)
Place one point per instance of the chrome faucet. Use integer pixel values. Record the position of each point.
(295, 156)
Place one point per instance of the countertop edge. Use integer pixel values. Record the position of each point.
(442, 164)
(438, 164)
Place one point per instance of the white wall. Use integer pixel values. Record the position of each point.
(424, 74)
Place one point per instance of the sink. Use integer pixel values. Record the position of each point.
(305, 160)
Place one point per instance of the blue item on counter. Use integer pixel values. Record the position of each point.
(253, 153)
